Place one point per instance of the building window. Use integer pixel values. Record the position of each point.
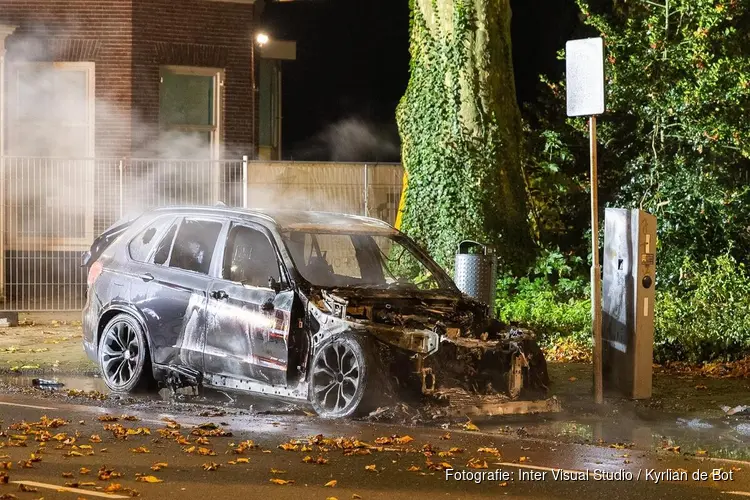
(52, 110)
(189, 112)
(49, 173)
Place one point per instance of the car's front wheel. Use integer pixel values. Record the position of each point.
(123, 355)
(343, 374)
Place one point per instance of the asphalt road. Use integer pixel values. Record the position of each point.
(397, 471)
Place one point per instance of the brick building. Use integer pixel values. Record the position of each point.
(86, 85)
(149, 65)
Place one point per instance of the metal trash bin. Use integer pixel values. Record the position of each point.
(476, 273)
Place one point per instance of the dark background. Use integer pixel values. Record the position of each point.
(352, 67)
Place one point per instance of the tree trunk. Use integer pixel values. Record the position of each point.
(461, 131)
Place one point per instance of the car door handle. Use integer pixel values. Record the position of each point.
(268, 306)
(147, 277)
(219, 294)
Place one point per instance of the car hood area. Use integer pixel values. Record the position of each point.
(444, 312)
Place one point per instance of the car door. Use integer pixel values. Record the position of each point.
(178, 282)
(247, 331)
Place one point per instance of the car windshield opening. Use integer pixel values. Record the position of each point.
(362, 260)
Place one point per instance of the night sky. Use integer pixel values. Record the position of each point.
(340, 96)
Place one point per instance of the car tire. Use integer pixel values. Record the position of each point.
(334, 390)
(123, 355)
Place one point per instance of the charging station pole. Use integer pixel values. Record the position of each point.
(584, 61)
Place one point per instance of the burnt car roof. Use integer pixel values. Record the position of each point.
(297, 220)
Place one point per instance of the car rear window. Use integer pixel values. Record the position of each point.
(140, 247)
(194, 245)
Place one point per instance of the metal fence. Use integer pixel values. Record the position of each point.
(52, 208)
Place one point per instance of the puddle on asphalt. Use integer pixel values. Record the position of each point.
(215, 399)
(78, 383)
(728, 437)
(721, 438)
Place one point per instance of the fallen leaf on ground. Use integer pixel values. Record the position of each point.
(84, 470)
(445, 436)
(331, 483)
(206, 452)
(371, 468)
(469, 426)
(108, 418)
(27, 489)
(211, 466)
(130, 418)
(414, 468)
(95, 438)
(523, 459)
(504, 483)
(277, 471)
(67, 474)
(113, 487)
(289, 447)
(140, 449)
(242, 460)
(475, 463)
(493, 451)
(701, 453)
(572, 379)
(280, 481)
(404, 440)
(6, 465)
(159, 466)
(149, 479)
(310, 460)
(700, 387)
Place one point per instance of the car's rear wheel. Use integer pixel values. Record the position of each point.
(343, 374)
(123, 355)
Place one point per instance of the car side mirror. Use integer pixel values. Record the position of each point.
(274, 285)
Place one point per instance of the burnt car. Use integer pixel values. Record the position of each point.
(337, 310)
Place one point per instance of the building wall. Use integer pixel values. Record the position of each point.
(128, 40)
(196, 33)
(97, 31)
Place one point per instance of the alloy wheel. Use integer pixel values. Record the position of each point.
(336, 377)
(121, 351)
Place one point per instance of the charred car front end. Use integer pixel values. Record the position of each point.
(341, 311)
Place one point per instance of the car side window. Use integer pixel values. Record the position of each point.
(194, 245)
(250, 258)
(140, 247)
(162, 251)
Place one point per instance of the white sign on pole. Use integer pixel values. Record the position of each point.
(584, 66)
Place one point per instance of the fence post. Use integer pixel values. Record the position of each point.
(367, 192)
(122, 176)
(244, 181)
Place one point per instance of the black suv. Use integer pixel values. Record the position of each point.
(323, 307)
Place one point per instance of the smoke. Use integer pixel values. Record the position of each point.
(352, 140)
(57, 189)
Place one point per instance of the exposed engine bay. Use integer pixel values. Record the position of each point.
(440, 345)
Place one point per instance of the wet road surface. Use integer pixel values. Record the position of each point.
(391, 470)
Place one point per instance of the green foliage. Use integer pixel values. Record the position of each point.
(460, 131)
(675, 136)
(707, 316)
(549, 300)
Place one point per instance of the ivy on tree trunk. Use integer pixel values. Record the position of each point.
(461, 132)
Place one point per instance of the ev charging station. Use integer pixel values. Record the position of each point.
(629, 267)
(622, 304)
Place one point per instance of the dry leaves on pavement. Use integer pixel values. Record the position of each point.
(281, 481)
(149, 479)
(331, 483)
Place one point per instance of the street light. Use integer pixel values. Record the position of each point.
(262, 38)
